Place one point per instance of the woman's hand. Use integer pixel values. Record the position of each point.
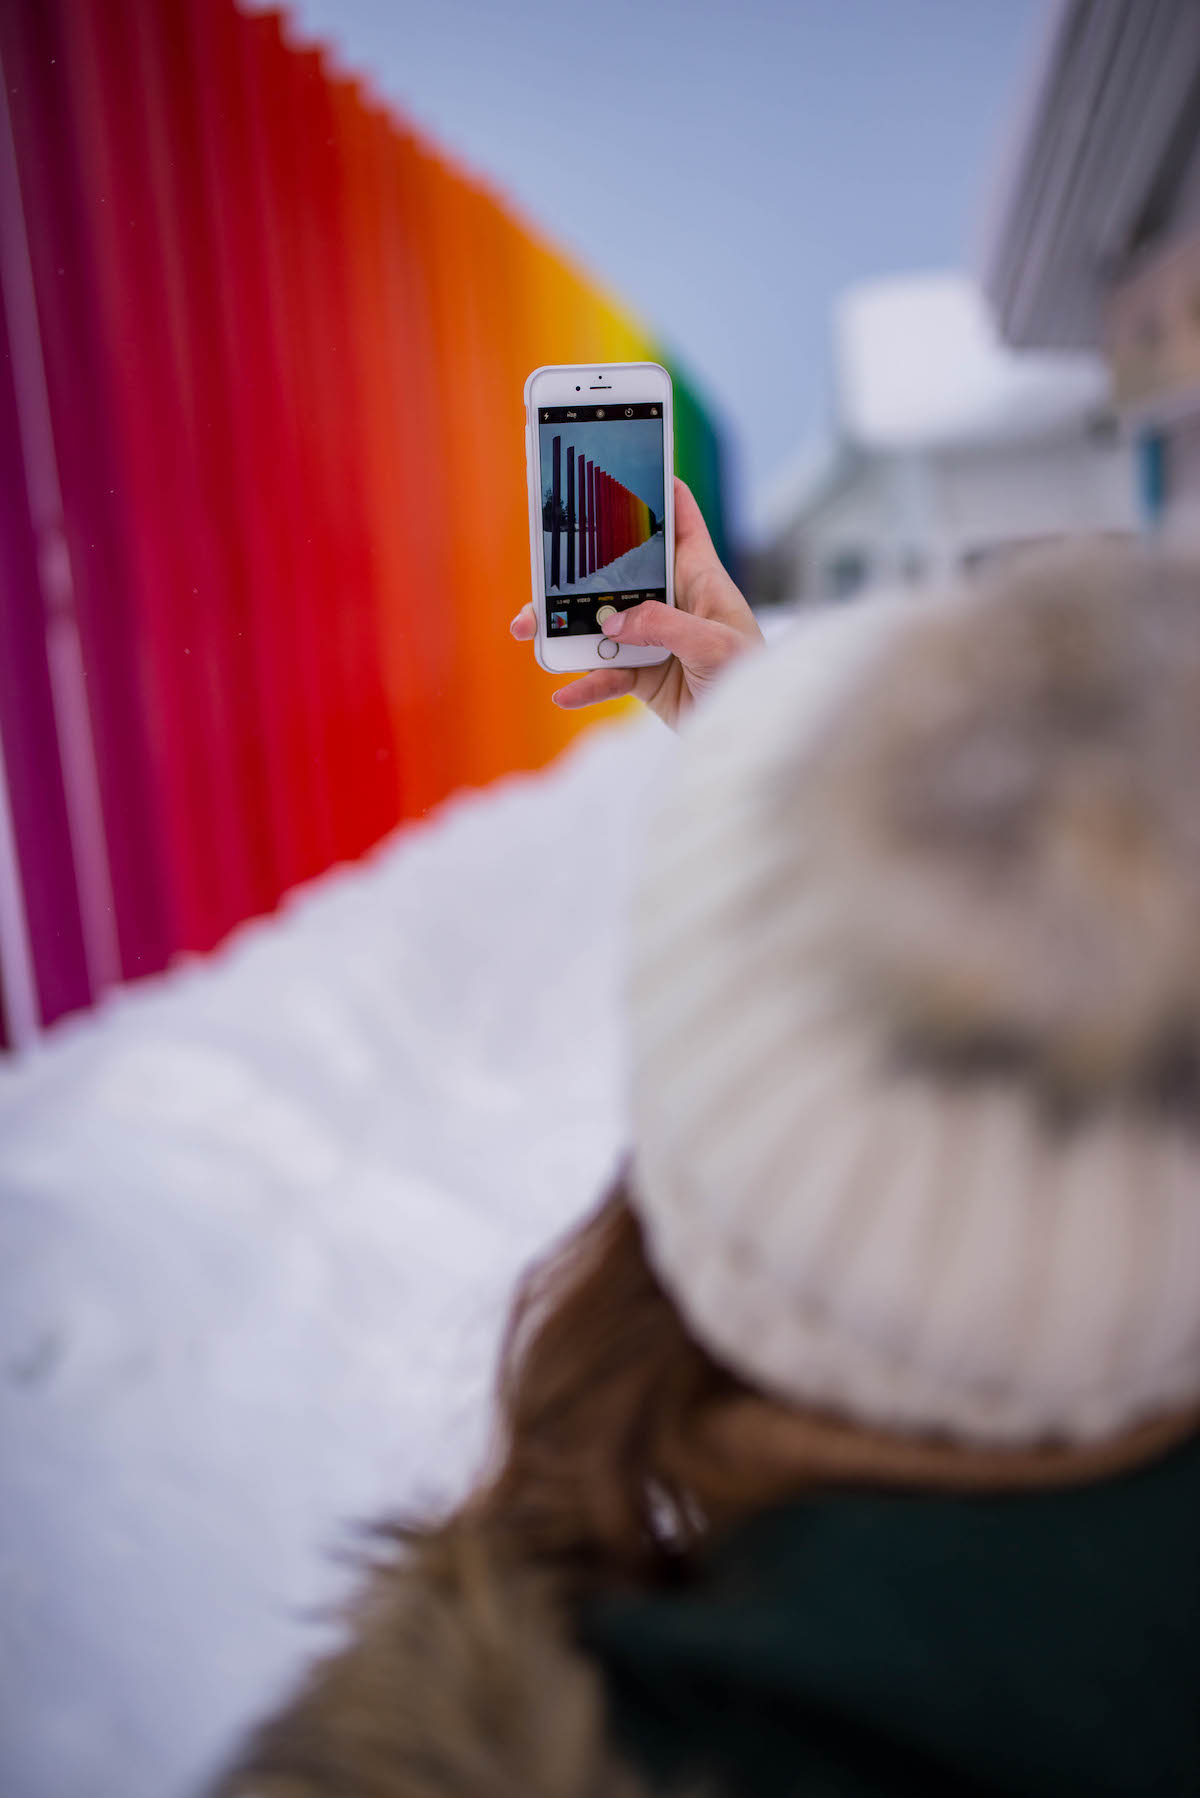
(708, 626)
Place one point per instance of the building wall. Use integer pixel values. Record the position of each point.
(1179, 522)
(988, 498)
(911, 518)
(860, 520)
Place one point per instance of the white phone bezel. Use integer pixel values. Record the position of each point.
(628, 383)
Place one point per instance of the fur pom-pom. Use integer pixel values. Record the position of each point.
(1006, 819)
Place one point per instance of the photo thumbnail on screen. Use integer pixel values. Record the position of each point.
(602, 502)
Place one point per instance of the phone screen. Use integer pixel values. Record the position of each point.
(603, 505)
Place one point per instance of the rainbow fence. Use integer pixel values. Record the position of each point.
(259, 343)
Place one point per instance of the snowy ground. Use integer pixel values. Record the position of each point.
(644, 566)
(258, 1221)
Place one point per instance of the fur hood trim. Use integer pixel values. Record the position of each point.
(459, 1681)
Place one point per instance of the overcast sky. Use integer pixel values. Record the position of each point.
(631, 452)
(726, 166)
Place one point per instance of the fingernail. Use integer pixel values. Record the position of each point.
(613, 624)
(516, 621)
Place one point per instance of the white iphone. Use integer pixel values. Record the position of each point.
(599, 450)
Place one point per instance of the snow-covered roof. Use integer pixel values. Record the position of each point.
(920, 365)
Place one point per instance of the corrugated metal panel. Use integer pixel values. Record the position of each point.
(280, 359)
(1121, 75)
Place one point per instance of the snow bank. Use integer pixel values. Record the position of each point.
(643, 566)
(258, 1223)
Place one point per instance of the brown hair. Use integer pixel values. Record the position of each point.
(602, 1395)
(622, 1445)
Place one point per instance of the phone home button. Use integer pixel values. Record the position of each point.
(608, 649)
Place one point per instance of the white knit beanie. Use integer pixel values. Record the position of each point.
(916, 1008)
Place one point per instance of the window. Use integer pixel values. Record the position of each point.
(846, 572)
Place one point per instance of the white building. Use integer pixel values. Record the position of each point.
(949, 447)
(1095, 241)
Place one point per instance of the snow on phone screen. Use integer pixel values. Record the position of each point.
(603, 535)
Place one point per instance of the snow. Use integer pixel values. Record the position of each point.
(259, 1223)
(644, 566)
(920, 365)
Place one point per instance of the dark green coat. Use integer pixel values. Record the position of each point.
(1039, 1644)
(1043, 1645)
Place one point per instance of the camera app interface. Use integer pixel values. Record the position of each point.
(603, 532)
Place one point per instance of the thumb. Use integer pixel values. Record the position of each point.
(701, 644)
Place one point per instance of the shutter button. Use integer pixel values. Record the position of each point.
(607, 650)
